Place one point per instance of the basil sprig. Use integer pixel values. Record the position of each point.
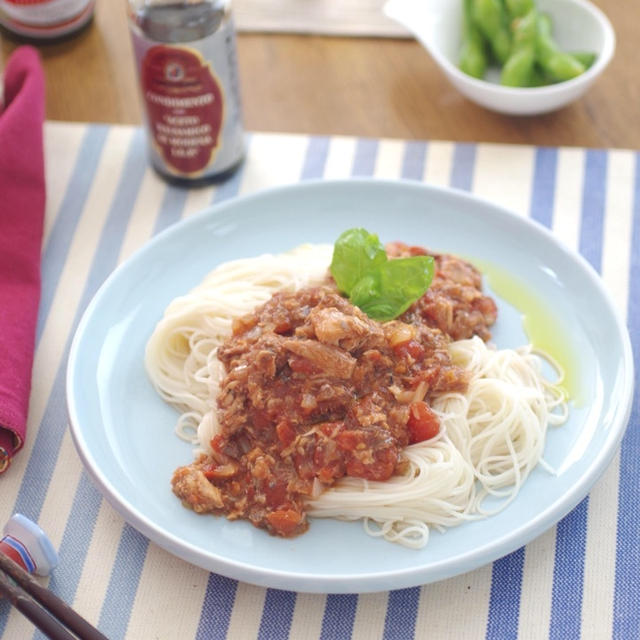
(382, 288)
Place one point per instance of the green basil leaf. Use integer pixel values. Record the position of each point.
(355, 253)
(391, 288)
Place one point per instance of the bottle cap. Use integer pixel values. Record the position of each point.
(31, 543)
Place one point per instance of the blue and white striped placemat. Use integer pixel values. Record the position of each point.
(581, 579)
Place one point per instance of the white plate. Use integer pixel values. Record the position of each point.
(124, 432)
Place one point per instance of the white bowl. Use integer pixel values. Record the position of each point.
(577, 26)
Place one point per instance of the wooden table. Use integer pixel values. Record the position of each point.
(352, 86)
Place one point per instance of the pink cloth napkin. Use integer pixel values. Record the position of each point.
(22, 202)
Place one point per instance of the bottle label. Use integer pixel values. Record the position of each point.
(185, 106)
(192, 105)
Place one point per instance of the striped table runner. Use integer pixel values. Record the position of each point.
(581, 579)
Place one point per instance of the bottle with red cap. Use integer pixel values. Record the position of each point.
(45, 19)
(186, 60)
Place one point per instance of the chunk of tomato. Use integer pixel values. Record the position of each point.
(217, 443)
(411, 349)
(285, 521)
(423, 424)
(286, 433)
(275, 492)
(349, 439)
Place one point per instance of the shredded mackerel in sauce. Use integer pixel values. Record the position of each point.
(315, 390)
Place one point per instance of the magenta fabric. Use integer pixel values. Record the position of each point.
(22, 204)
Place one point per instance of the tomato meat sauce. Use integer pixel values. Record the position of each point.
(315, 390)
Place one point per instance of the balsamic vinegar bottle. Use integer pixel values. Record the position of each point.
(185, 54)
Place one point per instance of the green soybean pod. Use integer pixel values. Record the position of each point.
(491, 18)
(518, 69)
(519, 8)
(538, 77)
(586, 58)
(473, 55)
(558, 65)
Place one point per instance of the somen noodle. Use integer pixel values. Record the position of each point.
(492, 435)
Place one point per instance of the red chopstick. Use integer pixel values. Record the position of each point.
(50, 614)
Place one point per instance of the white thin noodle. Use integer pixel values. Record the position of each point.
(491, 438)
(181, 357)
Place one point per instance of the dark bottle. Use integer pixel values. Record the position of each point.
(186, 58)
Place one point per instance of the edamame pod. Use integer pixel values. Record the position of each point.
(586, 58)
(559, 66)
(518, 69)
(519, 8)
(491, 18)
(473, 55)
(538, 78)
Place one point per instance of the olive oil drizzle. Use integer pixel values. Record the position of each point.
(542, 329)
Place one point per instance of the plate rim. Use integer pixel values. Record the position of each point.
(312, 582)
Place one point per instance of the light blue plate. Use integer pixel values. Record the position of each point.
(124, 432)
